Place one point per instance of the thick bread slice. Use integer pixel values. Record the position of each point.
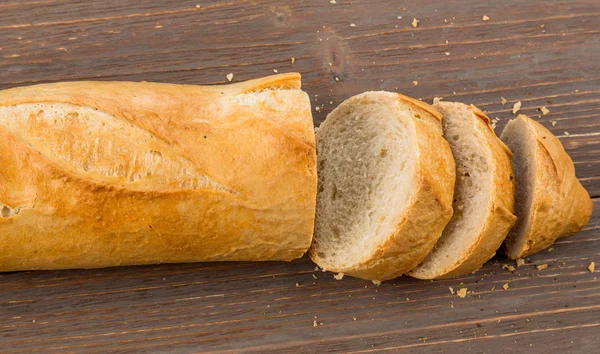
(99, 174)
(549, 201)
(483, 195)
(386, 178)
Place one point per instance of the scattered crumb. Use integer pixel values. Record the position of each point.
(509, 267)
(314, 276)
(576, 91)
(541, 266)
(293, 60)
(544, 110)
(317, 268)
(415, 83)
(415, 22)
(543, 25)
(451, 290)
(485, 18)
(566, 133)
(447, 53)
(423, 338)
(520, 262)
(437, 99)
(333, 2)
(376, 282)
(550, 249)
(352, 25)
(516, 107)
(158, 26)
(503, 100)
(447, 41)
(338, 276)
(317, 108)
(297, 284)
(198, 6)
(592, 267)
(337, 78)
(275, 71)
(229, 77)
(505, 286)
(407, 299)
(493, 288)
(354, 318)
(462, 292)
(553, 123)
(315, 324)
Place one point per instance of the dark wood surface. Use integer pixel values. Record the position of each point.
(542, 53)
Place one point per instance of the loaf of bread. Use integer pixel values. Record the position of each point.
(100, 174)
(550, 202)
(386, 179)
(483, 195)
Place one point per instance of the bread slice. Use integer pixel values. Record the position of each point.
(483, 195)
(386, 178)
(549, 201)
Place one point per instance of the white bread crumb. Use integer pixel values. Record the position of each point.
(229, 77)
(415, 83)
(462, 292)
(516, 107)
(566, 133)
(338, 276)
(437, 99)
(352, 25)
(415, 22)
(451, 290)
(377, 282)
(544, 110)
(503, 100)
(293, 60)
(541, 266)
(520, 262)
(275, 71)
(315, 324)
(485, 18)
(505, 286)
(553, 123)
(333, 2)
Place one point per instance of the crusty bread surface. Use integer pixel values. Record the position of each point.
(550, 202)
(100, 174)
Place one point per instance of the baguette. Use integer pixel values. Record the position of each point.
(101, 174)
(483, 195)
(386, 178)
(550, 202)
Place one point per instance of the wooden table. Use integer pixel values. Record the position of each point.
(544, 53)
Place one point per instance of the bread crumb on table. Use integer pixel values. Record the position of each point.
(415, 22)
(544, 110)
(333, 2)
(516, 107)
(352, 25)
(437, 99)
(502, 100)
(314, 276)
(541, 266)
(415, 83)
(353, 318)
(508, 267)
(376, 282)
(462, 292)
(505, 286)
(338, 276)
(553, 123)
(229, 77)
(315, 324)
(566, 133)
(520, 262)
(293, 60)
(592, 267)
(550, 249)
(485, 18)
(451, 290)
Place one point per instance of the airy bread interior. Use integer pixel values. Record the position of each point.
(367, 170)
(472, 191)
(521, 142)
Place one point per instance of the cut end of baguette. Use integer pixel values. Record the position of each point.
(366, 174)
(549, 201)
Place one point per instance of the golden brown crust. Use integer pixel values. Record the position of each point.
(500, 217)
(561, 206)
(429, 209)
(262, 207)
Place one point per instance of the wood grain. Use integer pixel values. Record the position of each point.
(539, 53)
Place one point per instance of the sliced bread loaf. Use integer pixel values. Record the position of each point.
(483, 195)
(386, 179)
(549, 201)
